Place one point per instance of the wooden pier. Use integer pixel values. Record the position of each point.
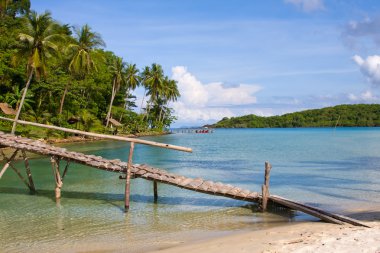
(62, 158)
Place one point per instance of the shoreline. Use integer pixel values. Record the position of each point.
(304, 236)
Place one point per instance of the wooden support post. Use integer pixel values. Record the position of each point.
(155, 191)
(65, 170)
(265, 187)
(20, 176)
(9, 163)
(8, 160)
(128, 177)
(57, 176)
(28, 171)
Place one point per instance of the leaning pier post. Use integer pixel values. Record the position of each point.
(28, 172)
(265, 187)
(128, 177)
(155, 192)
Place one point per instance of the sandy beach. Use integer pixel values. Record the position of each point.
(297, 237)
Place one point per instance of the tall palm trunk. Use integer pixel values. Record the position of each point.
(142, 101)
(63, 98)
(125, 103)
(111, 102)
(22, 101)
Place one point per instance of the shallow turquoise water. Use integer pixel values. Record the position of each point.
(334, 169)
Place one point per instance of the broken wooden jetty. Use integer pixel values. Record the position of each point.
(128, 171)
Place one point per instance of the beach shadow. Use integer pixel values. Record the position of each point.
(138, 198)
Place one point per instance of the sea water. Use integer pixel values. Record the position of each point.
(336, 169)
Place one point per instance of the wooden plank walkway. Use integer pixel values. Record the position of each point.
(149, 173)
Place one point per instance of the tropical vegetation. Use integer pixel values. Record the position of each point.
(359, 115)
(54, 73)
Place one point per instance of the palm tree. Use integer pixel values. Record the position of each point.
(81, 53)
(14, 98)
(38, 43)
(155, 83)
(144, 76)
(133, 78)
(4, 6)
(170, 93)
(117, 68)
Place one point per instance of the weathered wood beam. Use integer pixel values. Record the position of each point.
(9, 163)
(9, 160)
(21, 177)
(104, 136)
(155, 191)
(265, 187)
(128, 178)
(57, 176)
(28, 171)
(65, 170)
(323, 212)
(305, 209)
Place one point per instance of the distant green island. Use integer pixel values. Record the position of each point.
(359, 115)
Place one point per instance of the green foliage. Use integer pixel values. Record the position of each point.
(360, 115)
(72, 77)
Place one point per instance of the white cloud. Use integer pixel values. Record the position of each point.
(239, 95)
(369, 67)
(188, 114)
(192, 91)
(205, 103)
(307, 5)
(365, 97)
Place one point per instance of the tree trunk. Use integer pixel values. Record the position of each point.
(111, 102)
(142, 101)
(63, 98)
(125, 103)
(159, 117)
(22, 101)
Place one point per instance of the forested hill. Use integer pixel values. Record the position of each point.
(360, 115)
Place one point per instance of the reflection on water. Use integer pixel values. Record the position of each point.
(329, 169)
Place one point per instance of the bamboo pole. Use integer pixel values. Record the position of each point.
(265, 187)
(9, 160)
(105, 136)
(128, 178)
(155, 192)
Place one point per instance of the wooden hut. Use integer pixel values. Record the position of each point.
(116, 124)
(7, 109)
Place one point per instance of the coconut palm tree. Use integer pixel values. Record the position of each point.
(170, 93)
(144, 76)
(118, 71)
(132, 79)
(155, 83)
(38, 43)
(14, 98)
(81, 56)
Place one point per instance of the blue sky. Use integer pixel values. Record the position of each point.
(238, 57)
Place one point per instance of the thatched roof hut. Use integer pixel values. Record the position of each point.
(115, 123)
(7, 109)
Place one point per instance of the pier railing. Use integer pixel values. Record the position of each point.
(104, 136)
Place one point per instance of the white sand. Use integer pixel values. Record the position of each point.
(300, 237)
